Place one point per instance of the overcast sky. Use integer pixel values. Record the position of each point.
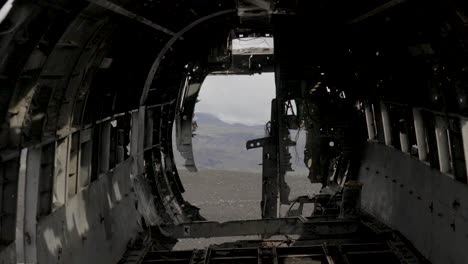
(238, 98)
(252, 42)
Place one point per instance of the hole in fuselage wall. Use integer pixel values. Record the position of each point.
(230, 111)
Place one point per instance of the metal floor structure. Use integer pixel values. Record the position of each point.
(369, 242)
(319, 254)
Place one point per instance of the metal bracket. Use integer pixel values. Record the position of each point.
(257, 143)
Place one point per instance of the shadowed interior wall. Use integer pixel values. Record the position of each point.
(428, 207)
(96, 224)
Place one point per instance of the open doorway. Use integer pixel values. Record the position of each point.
(231, 110)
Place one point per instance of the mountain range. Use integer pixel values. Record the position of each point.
(222, 146)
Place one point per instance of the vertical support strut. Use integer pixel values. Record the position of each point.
(31, 194)
(149, 126)
(387, 128)
(61, 171)
(105, 147)
(270, 175)
(442, 144)
(137, 140)
(370, 121)
(464, 131)
(404, 137)
(420, 134)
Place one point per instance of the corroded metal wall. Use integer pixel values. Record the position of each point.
(96, 225)
(428, 207)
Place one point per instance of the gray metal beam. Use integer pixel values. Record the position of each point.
(316, 226)
(376, 11)
(162, 52)
(270, 169)
(124, 12)
(184, 121)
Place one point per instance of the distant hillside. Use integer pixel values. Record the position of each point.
(236, 194)
(219, 145)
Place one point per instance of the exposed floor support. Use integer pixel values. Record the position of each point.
(273, 251)
(315, 226)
